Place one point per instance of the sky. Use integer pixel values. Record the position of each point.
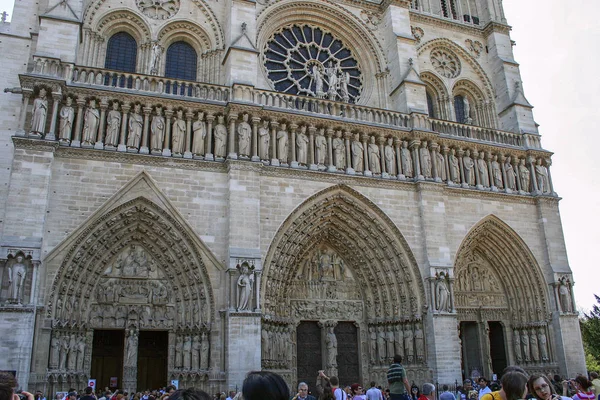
(557, 46)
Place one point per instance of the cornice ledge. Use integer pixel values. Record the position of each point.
(17, 309)
(496, 27)
(21, 142)
(415, 16)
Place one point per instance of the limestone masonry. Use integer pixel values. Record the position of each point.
(195, 189)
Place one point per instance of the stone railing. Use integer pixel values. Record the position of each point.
(476, 133)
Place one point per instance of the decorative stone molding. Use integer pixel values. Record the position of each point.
(417, 32)
(445, 63)
(159, 10)
(475, 47)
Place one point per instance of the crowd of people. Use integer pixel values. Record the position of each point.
(515, 384)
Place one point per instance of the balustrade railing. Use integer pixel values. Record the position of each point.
(477, 133)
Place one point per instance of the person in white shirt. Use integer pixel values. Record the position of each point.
(373, 393)
(483, 387)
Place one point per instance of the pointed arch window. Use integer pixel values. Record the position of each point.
(430, 105)
(182, 61)
(121, 52)
(459, 109)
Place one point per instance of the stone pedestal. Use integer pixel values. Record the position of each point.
(242, 345)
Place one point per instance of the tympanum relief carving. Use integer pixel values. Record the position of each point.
(478, 284)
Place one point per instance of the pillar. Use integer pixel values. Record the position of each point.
(255, 122)
(124, 115)
(414, 147)
(331, 167)
(311, 148)
(209, 133)
(294, 163)
(102, 126)
(232, 155)
(168, 120)
(56, 97)
(274, 159)
(365, 143)
(188, 134)
(347, 137)
(397, 143)
(144, 145)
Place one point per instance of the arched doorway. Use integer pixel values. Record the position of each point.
(501, 303)
(340, 283)
(132, 289)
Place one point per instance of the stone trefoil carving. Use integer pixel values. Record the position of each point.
(309, 61)
(445, 63)
(159, 9)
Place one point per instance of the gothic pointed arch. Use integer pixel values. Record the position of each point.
(122, 20)
(438, 93)
(495, 268)
(346, 223)
(333, 20)
(135, 261)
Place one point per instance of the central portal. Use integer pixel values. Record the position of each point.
(107, 358)
(152, 360)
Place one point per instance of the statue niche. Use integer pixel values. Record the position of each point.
(16, 280)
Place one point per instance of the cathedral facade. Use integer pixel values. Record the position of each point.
(196, 189)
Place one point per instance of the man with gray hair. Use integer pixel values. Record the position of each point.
(429, 391)
(303, 393)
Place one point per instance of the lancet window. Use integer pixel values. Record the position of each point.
(182, 61)
(121, 53)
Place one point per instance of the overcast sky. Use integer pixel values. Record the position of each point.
(558, 45)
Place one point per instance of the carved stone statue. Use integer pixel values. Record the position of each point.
(390, 343)
(373, 345)
(302, 146)
(157, 130)
(497, 173)
(220, 138)
(331, 344)
(54, 350)
(318, 78)
(64, 352)
(564, 294)
(344, 79)
(543, 343)
(132, 349)
(72, 357)
(454, 167)
(510, 174)
(39, 113)
(332, 79)
(244, 131)
(263, 141)
(65, 126)
(525, 346)
(196, 353)
(113, 126)
(339, 151)
(16, 280)
(407, 161)
(178, 132)
(425, 160)
(179, 352)
(381, 348)
(136, 123)
(525, 176)
(419, 343)
(469, 165)
(484, 174)
(282, 144)
(535, 350)
(91, 120)
(399, 340)
(204, 352)
(409, 349)
(199, 128)
(440, 165)
(374, 156)
(467, 108)
(80, 352)
(517, 346)
(320, 149)
(357, 154)
(187, 352)
(442, 293)
(541, 174)
(245, 284)
(155, 58)
(390, 157)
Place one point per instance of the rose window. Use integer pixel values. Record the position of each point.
(305, 60)
(445, 63)
(158, 9)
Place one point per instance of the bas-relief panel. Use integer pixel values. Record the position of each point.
(479, 285)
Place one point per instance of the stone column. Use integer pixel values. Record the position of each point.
(56, 98)
(397, 143)
(445, 151)
(502, 160)
(488, 160)
(347, 137)
(232, 155)
(168, 120)
(26, 97)
(130, 361)
(76, 142)
(124, 116)
(274, 159)
(365, 142)
(102, 126)
(461, 168)
(331, 167)
(414, 147)
(384, 172)
(188, 134)
(255, 122)
(531, 166)
(550, 184)
(311, 148)
(515, 162)
(144, 145)
(432, 150)
(475, 158)
(294, 163)
(209, 133)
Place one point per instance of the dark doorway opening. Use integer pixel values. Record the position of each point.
(347, 353)
(497, 347)
(152, 359)
(471, 355)
(309, 353)
(107, 358)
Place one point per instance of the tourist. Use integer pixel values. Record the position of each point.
(357, 392)
(583, 386)
(396, 377)
(374, 393)
(189, 394)
(514, 386)
(88, 394)
(265, 385)
(39, 395)
(483, 387)
(541, 388)
(429, 391)
(415, 393)
(7, 384)
(595, 382)
(231, 395)
(446, 395)
(332, 385)
(303, 392)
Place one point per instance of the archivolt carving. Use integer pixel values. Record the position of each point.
(135, 265)
(469, 89)
(123, 20)
(190, 31)
(333, 18)
(493, 247)
(340, 221)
